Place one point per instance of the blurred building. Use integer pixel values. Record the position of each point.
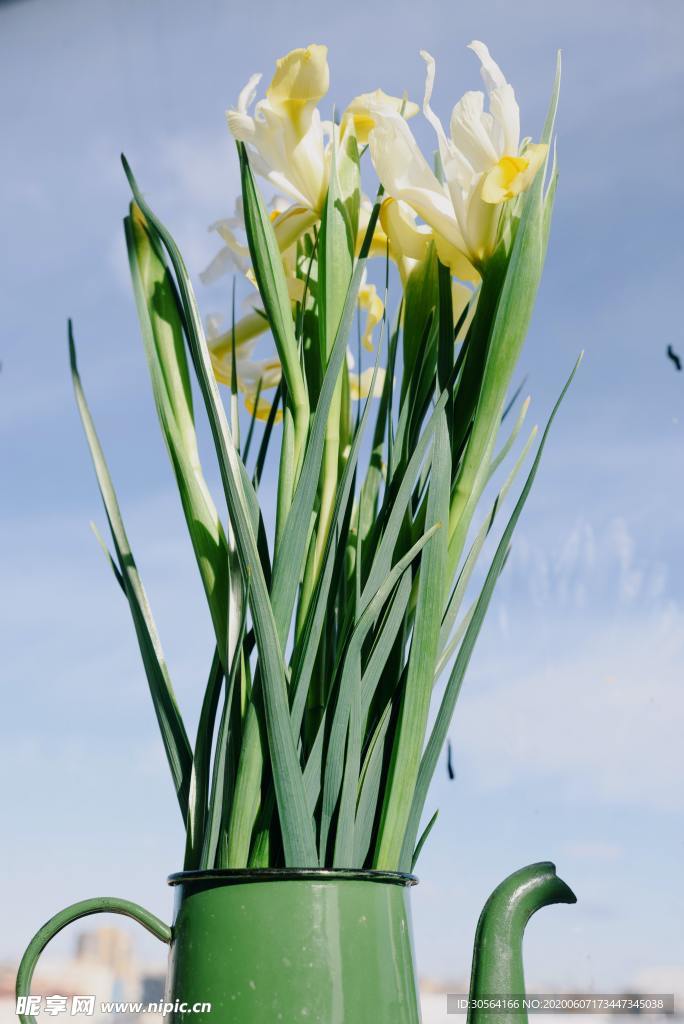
(111, 948)
(104, 964)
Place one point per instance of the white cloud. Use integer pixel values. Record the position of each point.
(584, 687)
(593, 565)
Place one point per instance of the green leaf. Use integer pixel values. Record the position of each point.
(421, 842)
(266, 437)
(174, 736)
(312, 770)
(247, 793)
(244, 453)
(162, 331)
(384, 642)
(396, 502)
(270, 275)
(337, 240)
(308, 641)
(295, 821)
(417, 399)
(201, 762)
(223, 773)
(370, 490)
(246, 801)
(408, 742)
(510, 440)
(421, 301)
(335, 759)
(289, 560)
(110, 560)
(453, 687)
(369, 788)
(509, 326)
(446, 646)
(549, 199)
(550, 122)
(446, 345)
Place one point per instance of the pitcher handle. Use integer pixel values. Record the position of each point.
(100, 905)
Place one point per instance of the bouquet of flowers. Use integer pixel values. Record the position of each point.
(337, 634)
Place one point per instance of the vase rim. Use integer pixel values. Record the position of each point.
(237, 876)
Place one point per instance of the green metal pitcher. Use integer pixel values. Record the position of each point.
(313, 946)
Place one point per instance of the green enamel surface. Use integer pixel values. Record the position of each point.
(321, 947)
(497, 951)
(317, 951)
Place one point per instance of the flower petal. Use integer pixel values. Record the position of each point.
(427, 109)
(455, 260)
(513, 174)
(301, 77)
(264, 410)
(360, 384)
(407, 238)
(372, 304)
(403, 170)
(502, 101)
(292, 224)
(360, 111)
(492, 75)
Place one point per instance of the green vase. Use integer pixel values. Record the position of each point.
(320, 947)
(309, 945)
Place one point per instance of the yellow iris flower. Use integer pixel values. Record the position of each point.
(482, 161)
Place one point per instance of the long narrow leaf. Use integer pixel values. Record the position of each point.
(162, 332)
(465, 574)
(309, 640)
(397, 501)
(296, 825)
(453, 687)
(201, 762)
(369, 788)
(268, 268)
(334, 767)
(174, 736)
(218, 806)
(415, 705)
(289, 559)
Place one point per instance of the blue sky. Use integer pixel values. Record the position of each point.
(567, 740)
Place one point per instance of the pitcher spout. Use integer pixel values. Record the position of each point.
(497, 954)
